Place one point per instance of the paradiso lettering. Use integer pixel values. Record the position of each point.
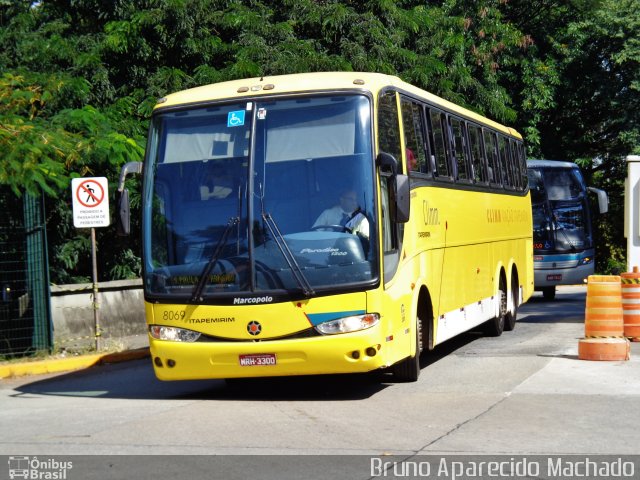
(506, 215)
(329, 250)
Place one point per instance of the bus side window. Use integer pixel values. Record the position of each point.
(413, 126)
(389, 133)
(492, 157)
(458, 150)
(389, 142)
(436, 134)
(523, 166)
(478, 159)
(515, 164)
(503, 154)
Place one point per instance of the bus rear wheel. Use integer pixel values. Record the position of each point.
(510, 317)
(495, 326)
(408, 370)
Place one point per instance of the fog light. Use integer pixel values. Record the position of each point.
(355, 354)
(171, 363)
(371, 351)
(158, 362)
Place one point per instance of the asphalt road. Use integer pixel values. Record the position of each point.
(524, 393)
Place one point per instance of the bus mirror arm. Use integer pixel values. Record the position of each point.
(123, 217)
(603, 199)
(127, 169)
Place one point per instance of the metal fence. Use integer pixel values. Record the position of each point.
(25, 316)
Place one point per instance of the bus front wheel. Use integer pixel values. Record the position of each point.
(408, 370)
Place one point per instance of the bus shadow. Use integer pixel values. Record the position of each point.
(136, 381)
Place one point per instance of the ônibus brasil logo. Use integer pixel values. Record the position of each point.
(34, 468)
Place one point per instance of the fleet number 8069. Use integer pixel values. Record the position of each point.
(173, 315)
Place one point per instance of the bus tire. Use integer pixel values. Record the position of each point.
(549, 293)
(408, 370)
(495, 326)
(511, 317)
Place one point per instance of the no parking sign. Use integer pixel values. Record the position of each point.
(90, 199)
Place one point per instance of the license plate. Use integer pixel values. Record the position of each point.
(259, 360)
(554, 278)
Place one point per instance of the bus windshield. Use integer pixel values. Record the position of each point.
(260, 197)
(560, 211)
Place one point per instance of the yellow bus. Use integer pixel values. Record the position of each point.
(325, 223)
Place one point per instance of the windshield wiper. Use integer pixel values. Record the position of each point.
(302, 281)
(196, 296)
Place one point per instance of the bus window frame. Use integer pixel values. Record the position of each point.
(493, 159)
(390, 259)
(503, 156)
(484, 171)
(424, 130)
(432, 139)
(505, 180)
(453, 150)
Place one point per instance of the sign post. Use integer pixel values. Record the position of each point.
(90, 199)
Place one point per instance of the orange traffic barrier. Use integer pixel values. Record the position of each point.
(604, 323)
(603, 314)
(608, 349)
(631, 304)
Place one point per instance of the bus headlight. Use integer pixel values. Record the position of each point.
(348, 324)
(586, 260)
(173, 334)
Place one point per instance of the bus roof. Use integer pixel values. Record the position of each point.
(551, 164)
(313, 82)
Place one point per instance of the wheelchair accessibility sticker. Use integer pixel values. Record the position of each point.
(235, 119)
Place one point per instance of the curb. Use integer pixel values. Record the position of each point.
(68, 364)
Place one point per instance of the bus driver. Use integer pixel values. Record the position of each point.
(347, 214)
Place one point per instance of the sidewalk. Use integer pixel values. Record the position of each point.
(135, 347)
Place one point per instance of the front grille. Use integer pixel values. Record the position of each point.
(549, 264)
(308, 333)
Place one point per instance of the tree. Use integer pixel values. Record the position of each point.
(596, 121)
(79, 79)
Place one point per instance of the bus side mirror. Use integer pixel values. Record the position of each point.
(403, 195)
(387, 163)
(399, 186)
(123, 217)
(603, 199)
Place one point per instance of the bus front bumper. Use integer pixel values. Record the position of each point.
(346, 353)
(562, 276)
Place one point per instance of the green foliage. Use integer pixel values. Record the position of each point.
(80, 78)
